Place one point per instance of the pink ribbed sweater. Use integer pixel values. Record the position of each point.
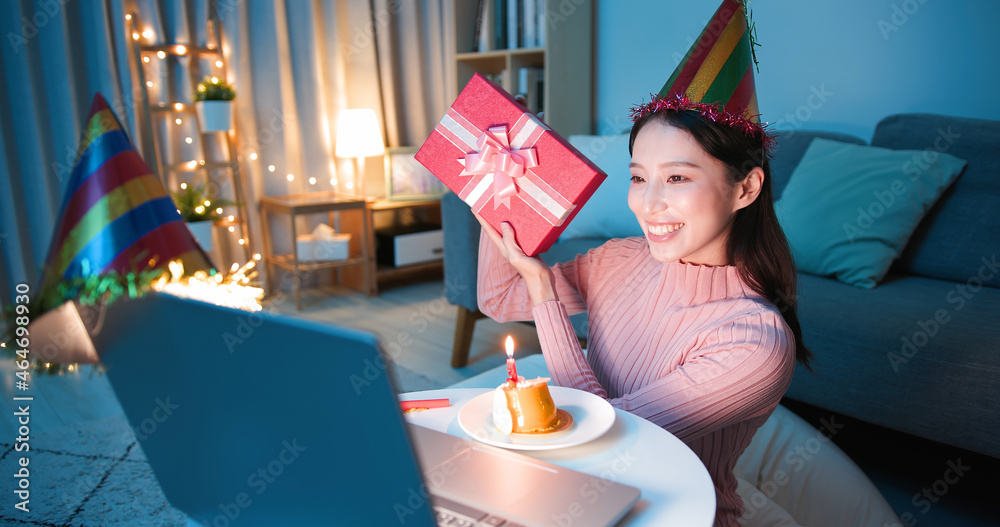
(689, 347)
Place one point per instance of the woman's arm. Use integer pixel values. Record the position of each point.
(510, 283)
(740, 370)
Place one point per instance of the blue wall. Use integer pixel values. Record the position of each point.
(869, 58)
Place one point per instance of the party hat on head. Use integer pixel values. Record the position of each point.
(718, 69)
(116, 216)
(715, 78)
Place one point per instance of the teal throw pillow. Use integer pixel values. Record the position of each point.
(848, 210)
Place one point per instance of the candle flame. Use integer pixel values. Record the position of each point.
(510, 346)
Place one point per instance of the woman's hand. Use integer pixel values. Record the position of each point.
(537, 275)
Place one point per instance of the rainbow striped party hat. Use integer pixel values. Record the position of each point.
(718, 69)
(116, 215)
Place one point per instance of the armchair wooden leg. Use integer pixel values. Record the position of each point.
(464, 325)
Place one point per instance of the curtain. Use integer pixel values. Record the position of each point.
(295, 66)
(412, 61)
(55, 56)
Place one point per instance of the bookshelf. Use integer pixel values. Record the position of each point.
(564, 60)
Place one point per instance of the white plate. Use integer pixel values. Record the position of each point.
(592, 417)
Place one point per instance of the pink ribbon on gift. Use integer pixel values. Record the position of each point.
(495, 156)
(498, 162)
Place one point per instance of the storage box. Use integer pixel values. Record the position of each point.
(409, 245)
(326, 249)
(509, 166)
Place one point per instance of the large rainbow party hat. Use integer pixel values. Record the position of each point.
(116, 216)
(718, 69)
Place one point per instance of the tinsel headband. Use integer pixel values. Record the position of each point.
(712, 112)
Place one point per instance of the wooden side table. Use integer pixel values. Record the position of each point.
(430, 209)
(317, 202)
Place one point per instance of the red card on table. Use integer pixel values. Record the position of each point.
(509, 166)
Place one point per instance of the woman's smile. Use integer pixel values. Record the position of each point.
(661, 231)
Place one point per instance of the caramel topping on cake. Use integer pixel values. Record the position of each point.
(531, 406)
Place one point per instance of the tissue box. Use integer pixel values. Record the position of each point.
(509, 166)
(328, 248)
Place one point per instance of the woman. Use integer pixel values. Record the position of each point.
(692, 327)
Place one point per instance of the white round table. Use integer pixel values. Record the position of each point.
(676, 488)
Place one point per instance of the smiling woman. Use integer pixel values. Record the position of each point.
(719, 178)
(692, 326)
(685, 328)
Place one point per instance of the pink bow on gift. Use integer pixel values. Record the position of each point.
(494, 156)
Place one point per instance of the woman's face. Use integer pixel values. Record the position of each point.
(681, 195)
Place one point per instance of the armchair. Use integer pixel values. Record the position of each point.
(461, 261)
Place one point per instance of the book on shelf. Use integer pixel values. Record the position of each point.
(479, 42)
(516, 24)
(500, 24)
(530, 18)
(530, 82)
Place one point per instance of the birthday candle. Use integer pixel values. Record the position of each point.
(511, 367)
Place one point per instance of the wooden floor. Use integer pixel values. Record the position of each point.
(414, 323)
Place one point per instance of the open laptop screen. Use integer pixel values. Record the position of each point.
(256, 418)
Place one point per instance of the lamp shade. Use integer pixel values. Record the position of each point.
(358, 134)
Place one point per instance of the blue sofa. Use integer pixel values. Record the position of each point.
(920, 353)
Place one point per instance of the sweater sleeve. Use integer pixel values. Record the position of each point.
(563, 355)
(503, 295)
(740, 371)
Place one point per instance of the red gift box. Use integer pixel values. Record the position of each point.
(508, 166)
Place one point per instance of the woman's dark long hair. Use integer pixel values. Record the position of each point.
(756, 245)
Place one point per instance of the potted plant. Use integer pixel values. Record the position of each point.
(214, 104)
(200, 211)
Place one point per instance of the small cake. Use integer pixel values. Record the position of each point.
(525, 407)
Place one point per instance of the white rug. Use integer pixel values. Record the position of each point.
(91, 473)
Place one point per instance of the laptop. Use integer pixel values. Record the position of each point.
(262, 419)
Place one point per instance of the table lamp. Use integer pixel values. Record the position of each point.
(359, 136)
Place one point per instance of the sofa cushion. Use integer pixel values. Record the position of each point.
(849, 209)
(929, 369)
(790, 146)
(606, 214)
(964, 226)
(565, 250)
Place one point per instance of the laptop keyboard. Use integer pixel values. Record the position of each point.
(453, 514)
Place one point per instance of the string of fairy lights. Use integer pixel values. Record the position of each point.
(148, 51)
(193, 164)
(181, 50)
(232, 288)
